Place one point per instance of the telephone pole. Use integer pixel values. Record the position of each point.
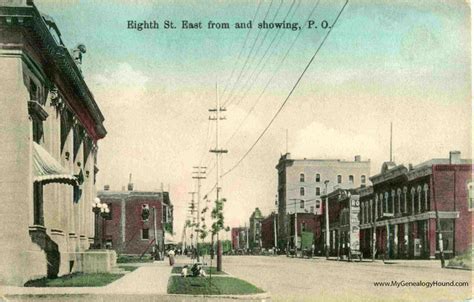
(192, 210)
(198, 174)
(218, 152)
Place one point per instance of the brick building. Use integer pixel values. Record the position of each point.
(130, 229)
(301, 182)
(269, 227)
(400, 214)
(50, 127)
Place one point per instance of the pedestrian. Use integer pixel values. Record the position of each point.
(171, 257)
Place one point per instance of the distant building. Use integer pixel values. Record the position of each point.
(239, 238)
(50, 127)
(301, 182)
(255, 229)
(269, 227)
(130, 229)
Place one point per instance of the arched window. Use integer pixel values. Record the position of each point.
(339, 179)
(318, 177)
(399, 200)
(376, 210)
(301, 177)
(351, 179)
(405, 206)
(302, 204)
(301, 191)
(418, 190)
(362, 179)
(412, 191)
(426, 194)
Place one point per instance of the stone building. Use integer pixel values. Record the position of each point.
(301, 183)
(50, 125)
(131, 226)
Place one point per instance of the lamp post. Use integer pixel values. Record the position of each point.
(327, 218)
(103, 210)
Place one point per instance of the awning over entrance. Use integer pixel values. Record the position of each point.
(46, 169)
(169, 239)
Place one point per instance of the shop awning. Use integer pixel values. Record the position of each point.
(169, 239)
(46, 169)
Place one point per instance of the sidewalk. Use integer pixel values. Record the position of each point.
(148, 279)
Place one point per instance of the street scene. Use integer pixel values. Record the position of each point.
(236, 150)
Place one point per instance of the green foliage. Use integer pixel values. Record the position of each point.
(133, 259)
(214, 286)
(207, 269)
(464, 260)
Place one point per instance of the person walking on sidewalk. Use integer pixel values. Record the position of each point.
(171, 257)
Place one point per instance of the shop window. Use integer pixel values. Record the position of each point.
(145, 234)
(318, 177)
(447, 231)
(301, 177)
(318, 191)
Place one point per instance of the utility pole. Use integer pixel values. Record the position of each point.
(198, 175)
(218, 152)
(155, 231)
(438, 223)
(192, 210)
(327, 218)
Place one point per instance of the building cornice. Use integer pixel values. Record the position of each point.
(29, 19)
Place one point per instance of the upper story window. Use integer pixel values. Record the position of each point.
(301, 177)
(351, 179)
(318, 204)
(302, 204)
(302, 191)
(318, 177)
(312, 209)
(145, 234)
(318, 191)
(362, 179)
(470, 188)
(339, 179)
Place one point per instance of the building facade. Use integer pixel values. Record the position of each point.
(136, 219)
(255, 230)
(399, 218)
(239, 238)
(50, 126)
(302, 182)
(268, 233)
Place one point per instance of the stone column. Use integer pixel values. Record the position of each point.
(20, 258)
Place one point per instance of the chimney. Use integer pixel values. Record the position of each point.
(357, 158)
(454, 157)
(106, 187)
(130, 184)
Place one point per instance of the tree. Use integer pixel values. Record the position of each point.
(217, 214)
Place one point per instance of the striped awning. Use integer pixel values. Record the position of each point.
(46, 169)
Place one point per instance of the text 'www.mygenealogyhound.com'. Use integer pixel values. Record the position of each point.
(426, 284)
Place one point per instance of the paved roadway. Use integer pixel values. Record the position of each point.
(289, 279)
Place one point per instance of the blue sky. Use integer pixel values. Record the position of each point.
(397, 61)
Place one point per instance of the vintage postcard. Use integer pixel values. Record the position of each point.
(236, 150)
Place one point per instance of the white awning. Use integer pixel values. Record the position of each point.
(46, 169)
(169, 239)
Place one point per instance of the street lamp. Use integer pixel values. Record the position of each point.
(96, 208)
(327, 218)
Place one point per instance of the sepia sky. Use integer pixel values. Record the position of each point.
(384, 61)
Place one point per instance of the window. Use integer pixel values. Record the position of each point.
(145, 212)
(38, 218)
(318, 204)
(351, 179)
(302, 204)
(318, 191)
(145, 234)
(302, 191)
(318, 177)
(339, 179)
(301, 177)
(362, 179)
(312, 209)
(109, 215)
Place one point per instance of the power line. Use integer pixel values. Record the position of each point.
(272, 77)
(279, 35)
(248, 57)
(242, 49)
(290, 93)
